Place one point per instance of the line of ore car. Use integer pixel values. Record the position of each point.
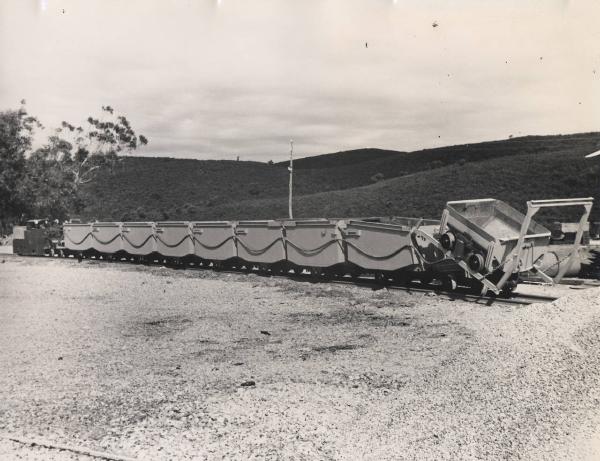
(483, 244)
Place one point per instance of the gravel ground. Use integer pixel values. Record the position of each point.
(151, 363)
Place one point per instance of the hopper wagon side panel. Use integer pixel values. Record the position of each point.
(174, 239)
(379, 246)
(107, 237)
(260, 241)
(78, 237)
(214, 240)
(314, 243)
(138, 238)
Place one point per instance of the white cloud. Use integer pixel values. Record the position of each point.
(245, 77)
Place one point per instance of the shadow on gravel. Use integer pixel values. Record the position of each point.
(336, 347)
(160, 327)
(349, 315)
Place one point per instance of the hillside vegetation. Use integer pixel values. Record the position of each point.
(424, 194)
(366, 182)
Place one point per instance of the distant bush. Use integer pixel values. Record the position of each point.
(377, 177)
(187, 211)
(254, 189)
(571, 181)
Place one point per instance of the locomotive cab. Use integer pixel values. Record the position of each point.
(35, 238)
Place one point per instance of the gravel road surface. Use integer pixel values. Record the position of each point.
(154, 363)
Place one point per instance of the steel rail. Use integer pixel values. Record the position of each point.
(460, 294)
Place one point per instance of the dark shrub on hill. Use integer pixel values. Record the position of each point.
(377, 177)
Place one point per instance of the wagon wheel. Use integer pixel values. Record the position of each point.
(508, 288)
(381, 277)
(449, 283)
(328, 274)
(355, 274)
(425, 279)
(474, 286)
(279, 269)
(400, 278)
(316, 271)
(246, 267)
(298, 270)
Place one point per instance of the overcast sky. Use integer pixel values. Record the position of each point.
(218, 79)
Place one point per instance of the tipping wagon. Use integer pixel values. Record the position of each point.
(493, 242)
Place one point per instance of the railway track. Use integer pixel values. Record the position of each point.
(460, 294)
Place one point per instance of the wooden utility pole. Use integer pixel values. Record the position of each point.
(593, 154)
(291, 170)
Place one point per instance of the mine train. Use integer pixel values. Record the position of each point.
(481, 244)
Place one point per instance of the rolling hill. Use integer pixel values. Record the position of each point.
(355, 183)
(424, 194)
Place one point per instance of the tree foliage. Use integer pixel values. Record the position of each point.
(46, 182)
(16, 130)
(83, 150)
(50, 187)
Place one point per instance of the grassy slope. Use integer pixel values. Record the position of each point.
(423, 194)
(337, 159)
(161, 188)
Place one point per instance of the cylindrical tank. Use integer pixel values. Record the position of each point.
(556, 257)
